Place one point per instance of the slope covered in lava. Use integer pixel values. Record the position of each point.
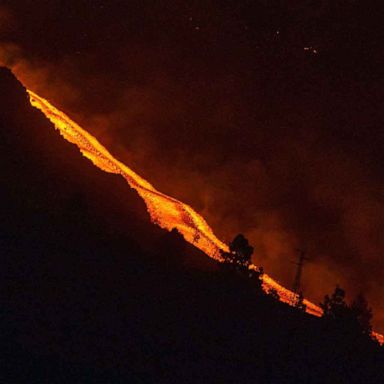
(92, 292)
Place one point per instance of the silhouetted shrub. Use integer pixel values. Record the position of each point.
(355, 318)
(240, 253)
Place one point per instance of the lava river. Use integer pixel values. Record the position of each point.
(165, 211)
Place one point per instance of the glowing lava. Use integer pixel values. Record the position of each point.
(164, 210)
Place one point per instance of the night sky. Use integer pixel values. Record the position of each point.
(265, 116)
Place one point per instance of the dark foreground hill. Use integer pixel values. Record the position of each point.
(91, 292)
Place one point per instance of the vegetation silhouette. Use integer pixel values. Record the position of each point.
(240, 253)
(354, 318)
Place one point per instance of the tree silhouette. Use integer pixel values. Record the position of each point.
(355, 318)
(335, 307)
(239, 254)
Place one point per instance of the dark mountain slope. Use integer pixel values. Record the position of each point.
(90, 291)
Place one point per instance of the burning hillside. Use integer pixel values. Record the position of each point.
(164, 210)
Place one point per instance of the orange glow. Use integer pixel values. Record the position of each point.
(165, 211)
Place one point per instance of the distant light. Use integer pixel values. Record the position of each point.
(313, 50)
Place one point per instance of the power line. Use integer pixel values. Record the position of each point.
(296, 288)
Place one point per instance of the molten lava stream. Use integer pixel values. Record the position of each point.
(164, 210)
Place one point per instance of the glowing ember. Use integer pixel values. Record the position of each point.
(164, 210)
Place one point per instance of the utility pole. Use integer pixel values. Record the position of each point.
(297, 281)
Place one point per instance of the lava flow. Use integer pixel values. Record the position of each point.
(165, 211)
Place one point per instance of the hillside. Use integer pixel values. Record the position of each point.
(92, 292)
